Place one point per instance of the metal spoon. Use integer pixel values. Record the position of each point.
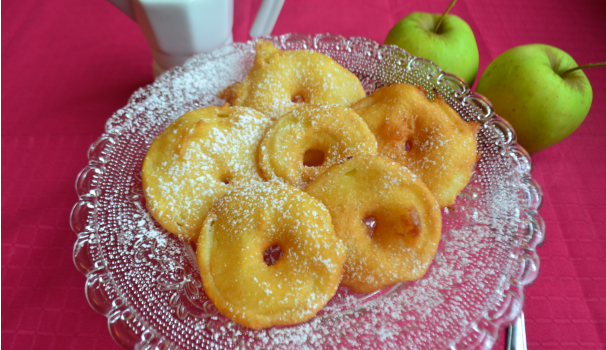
(516, 335)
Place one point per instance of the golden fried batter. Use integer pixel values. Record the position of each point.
(308, 140)
(428, 137)
(195, 160)
(240, 227)
(407, 217)
(279, 80)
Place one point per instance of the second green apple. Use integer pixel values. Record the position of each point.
(533, 88)
(453, 47)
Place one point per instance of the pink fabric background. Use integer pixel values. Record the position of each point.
(67, 65)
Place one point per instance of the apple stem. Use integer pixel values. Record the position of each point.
(585, 66)
(435, 30)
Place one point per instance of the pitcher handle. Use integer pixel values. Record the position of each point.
(266, 17)
(126, 7)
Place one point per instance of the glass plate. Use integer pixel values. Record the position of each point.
(147, 282)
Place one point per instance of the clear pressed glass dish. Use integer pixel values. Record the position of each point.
(147, 282)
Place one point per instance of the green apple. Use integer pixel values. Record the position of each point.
(532, 87)
(452, 46)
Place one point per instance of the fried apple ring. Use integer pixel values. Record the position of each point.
(406, 215)
(245, 223)
(195, 160)
(428, 137)
(279, 80)
(308, 140)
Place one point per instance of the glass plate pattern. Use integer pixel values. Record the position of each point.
(147, 283)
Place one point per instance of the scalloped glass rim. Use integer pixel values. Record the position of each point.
(357, 321)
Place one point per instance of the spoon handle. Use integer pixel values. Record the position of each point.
(266, 17)
(516, 335)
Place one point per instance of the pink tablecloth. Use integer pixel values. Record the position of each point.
(67, 65)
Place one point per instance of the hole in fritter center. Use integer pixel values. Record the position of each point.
(313, 157)
(297, 99)
(225, 180)
(371, 224)
(407, 146)
(272, 255)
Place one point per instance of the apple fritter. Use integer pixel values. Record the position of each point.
(428, 137)
(280, 80)
(388, 220)
(196, 159)
(309, 139)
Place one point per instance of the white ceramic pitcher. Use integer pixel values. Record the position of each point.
(176, 30)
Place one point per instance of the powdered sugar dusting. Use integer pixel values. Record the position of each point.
(336, 132)
(194, 161)
(426, 136)
(280, 79)
(241, 225)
